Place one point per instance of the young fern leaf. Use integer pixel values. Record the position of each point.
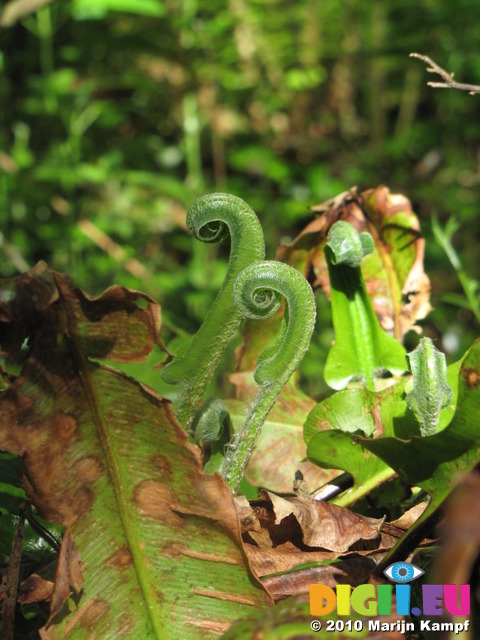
(431, 391)
(361, 346)
(257, 293)
(210, 219)
(212, 429)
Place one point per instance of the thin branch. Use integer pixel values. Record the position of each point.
(449, 82)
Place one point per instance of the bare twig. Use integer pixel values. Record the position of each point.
(449, 82)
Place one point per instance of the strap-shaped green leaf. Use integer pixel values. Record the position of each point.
(361, 348)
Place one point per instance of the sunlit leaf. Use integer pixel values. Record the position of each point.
(393, 273)
(96, 9)
(333, 433)
(431, 392)
(106, 457)
(362, 349)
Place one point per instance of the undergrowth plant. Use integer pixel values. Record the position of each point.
(145, 489)
(211, 219)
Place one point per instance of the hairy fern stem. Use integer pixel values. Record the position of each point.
(211, 218)
(257, 293)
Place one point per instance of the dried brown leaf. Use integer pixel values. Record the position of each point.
(34, 589)
(281, 534)
(410, 517)
(11, 582)
(283, 557)
(68, 576)
(352, 571)
(324, 525)
(24, 301)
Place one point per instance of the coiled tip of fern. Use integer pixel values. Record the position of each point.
(257, 293)
(254, 293)
(207, 217)
(347, 245)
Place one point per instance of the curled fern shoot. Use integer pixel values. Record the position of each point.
(258, 293)
(212, 218)
(361, 348)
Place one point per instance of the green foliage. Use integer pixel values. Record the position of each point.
(471, 287)
(361, 349)
(105, 121)
(335, 432)
(212, 429)
(291, 620)
(431, 392)
(117, 114)
(125, 482)
(211, 219)
(104, 432)
(257, 295)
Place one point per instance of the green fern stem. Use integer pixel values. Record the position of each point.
(258, 292)
(212, 218)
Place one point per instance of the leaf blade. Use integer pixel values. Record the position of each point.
(105, 456)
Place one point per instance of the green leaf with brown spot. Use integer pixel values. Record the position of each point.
(291, 620)
(158, 542)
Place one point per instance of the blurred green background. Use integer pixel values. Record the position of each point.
(116, 114)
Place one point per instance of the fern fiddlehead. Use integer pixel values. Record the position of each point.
(258, 291)
(361, 348)
(212, 218)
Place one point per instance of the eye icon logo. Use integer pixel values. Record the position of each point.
(402, 572)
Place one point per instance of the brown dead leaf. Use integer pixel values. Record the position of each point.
(111, 326)
(352, 571)
(322, 525)
(24, 301)
(410, 517)
(106, 457)
(11, 582)
(282, 557)
(131, 330)
(283, 533)
(67, 577)
(393, 274)
(34, 589)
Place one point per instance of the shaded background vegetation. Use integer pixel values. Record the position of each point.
(116, 114)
